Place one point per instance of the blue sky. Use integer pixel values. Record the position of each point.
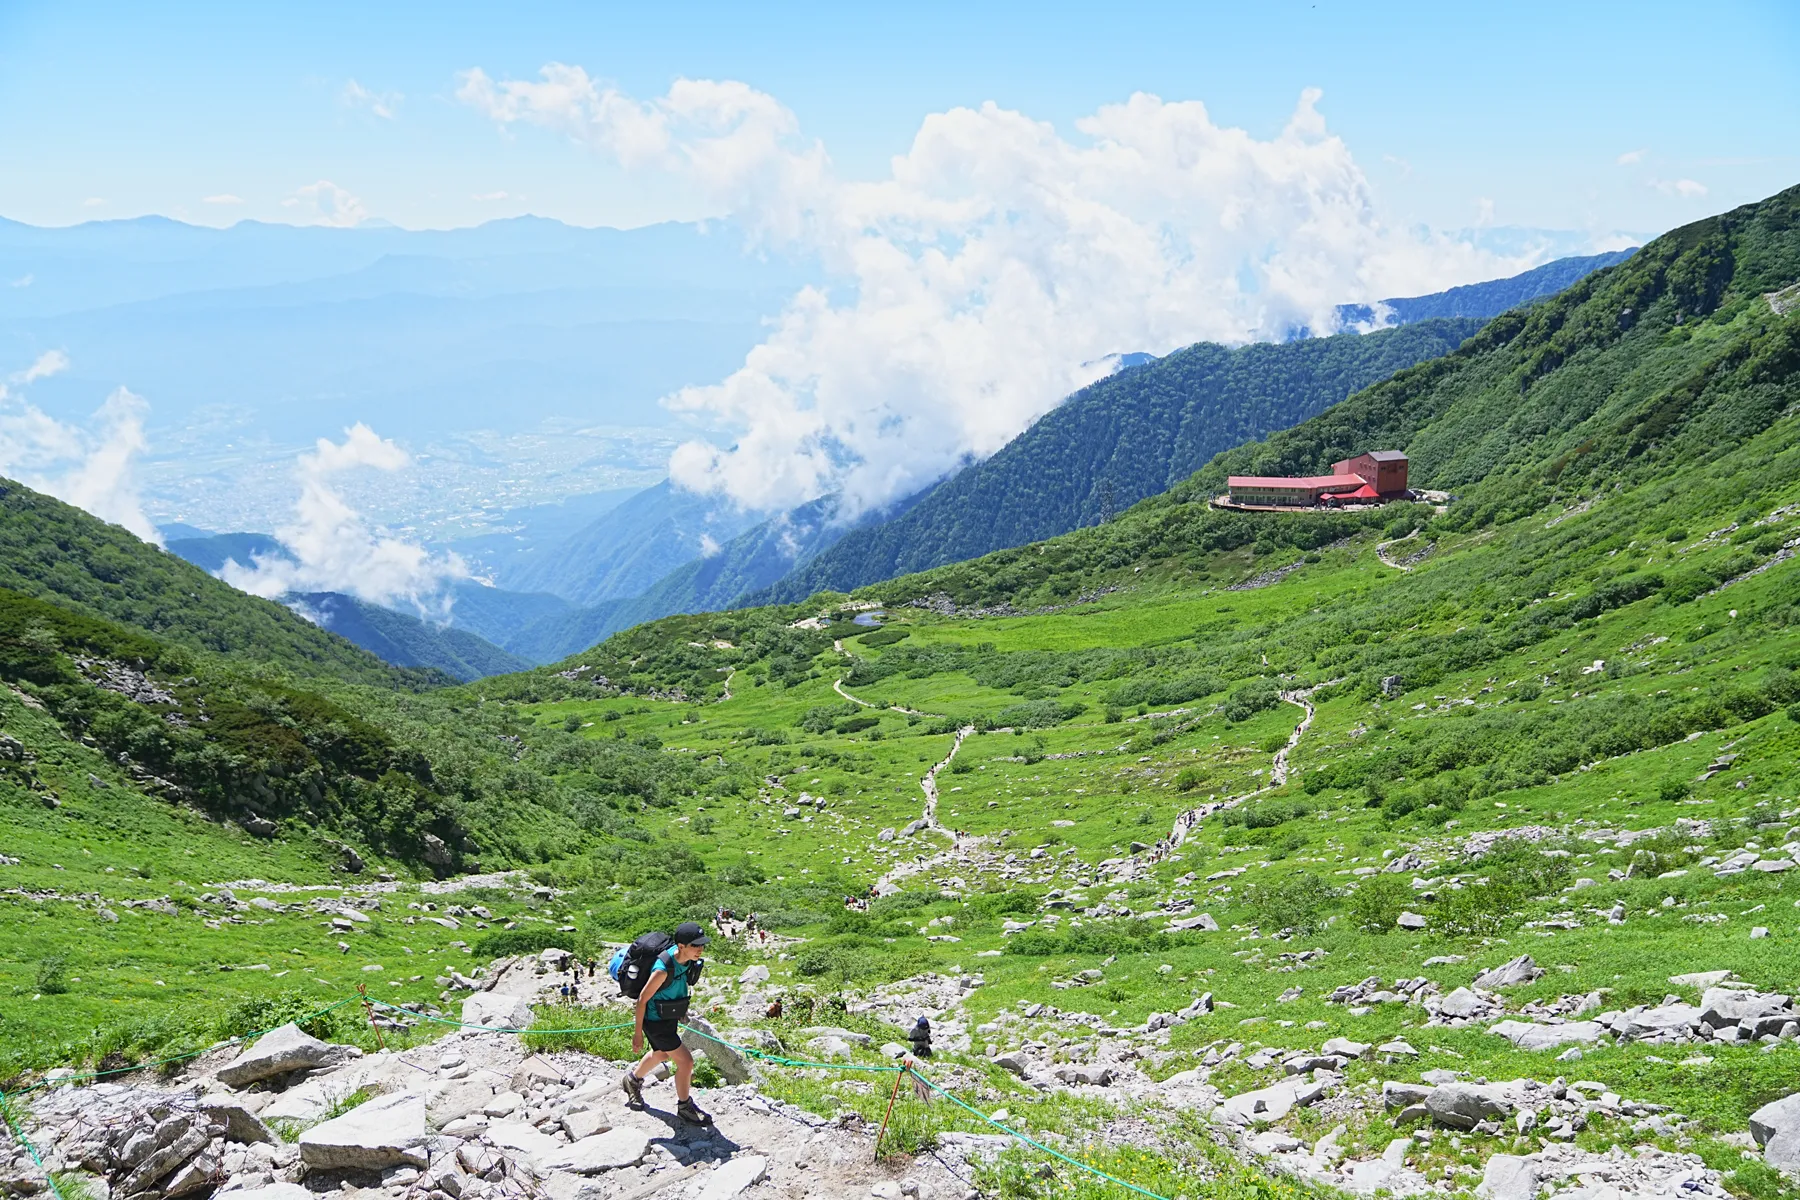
(1513, 114)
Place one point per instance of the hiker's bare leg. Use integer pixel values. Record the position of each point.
(684, 1071)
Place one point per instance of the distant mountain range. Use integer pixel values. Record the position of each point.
(1150, 424)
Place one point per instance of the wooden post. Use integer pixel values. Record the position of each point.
(903, 1072)
(363, 990)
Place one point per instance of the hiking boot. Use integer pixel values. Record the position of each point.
(634, 1090)
(690, 1112)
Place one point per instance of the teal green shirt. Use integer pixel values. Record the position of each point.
(675, 987)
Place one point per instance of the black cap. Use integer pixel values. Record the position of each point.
(689, 934)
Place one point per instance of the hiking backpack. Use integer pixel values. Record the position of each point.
(633, 966)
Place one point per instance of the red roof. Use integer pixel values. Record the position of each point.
(1312, 481)
(1365, 492)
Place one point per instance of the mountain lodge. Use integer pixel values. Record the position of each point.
(1368, 478)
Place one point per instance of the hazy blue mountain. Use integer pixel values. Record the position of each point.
(1490, 299)
(300, 331)
(626, 551)
(526, 533)
(211, 552)
(405, 641)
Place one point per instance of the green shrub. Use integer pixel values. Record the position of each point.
(1297, 903)
(1248, 699)
(1190, 779)
(1378, 902)
(53, 975)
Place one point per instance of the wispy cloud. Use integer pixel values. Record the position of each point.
(488, 196)
(381, 104)
(50, 362)
(1630, 157)
(222, 198)
(89, 467)
(1689, 188)
(328, 204)
(331, 548)
(93, 202)
(993, 259)
(25, 280)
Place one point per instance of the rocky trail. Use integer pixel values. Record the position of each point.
(475, 1115)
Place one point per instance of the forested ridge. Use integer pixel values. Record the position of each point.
(1115, 442)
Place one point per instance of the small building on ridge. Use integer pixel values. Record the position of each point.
(1383, 470)
(1368, 478)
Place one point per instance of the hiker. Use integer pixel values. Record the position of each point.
(662, 1002)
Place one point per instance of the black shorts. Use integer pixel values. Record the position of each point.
(663, 1035)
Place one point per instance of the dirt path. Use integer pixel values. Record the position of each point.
(837, 685)
(1278, 773)
(1189, 820)
(1381, 549)
(928, 820)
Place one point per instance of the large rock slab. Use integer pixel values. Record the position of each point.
(1776, 1128)
(733, 1177)
(1720, 1007)
(1666, 1018)
(1465, 1105)
(240, 1121)
(283, 1049)
(496, 1011)
(528, 1140)
(388, 1131)
(620, 1147)
(1509, 1177)
(1528, 1036)
(1510, 974)
(698, 1035)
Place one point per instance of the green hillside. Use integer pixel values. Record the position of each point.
(405, 640)
(1115, 442)
(57, 552)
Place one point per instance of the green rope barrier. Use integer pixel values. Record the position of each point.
(18, 1132)
(1033, 1142)
(780, 1061)
(159, 1062)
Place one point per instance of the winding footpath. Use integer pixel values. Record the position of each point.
(1188, 821)
(928, 820)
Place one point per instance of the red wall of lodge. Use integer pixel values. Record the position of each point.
(1386, 477)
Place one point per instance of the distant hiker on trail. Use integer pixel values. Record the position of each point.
(659, 972)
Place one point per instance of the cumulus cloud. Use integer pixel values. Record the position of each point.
(1631, 157)
(327, 204)
(995, 258)
(381, 104)
(331, 548)
(88, 466)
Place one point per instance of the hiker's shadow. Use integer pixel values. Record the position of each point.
(692, 1143)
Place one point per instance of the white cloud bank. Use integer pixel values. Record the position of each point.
(995, 259)
(89, 467)
(325, 203)
(330, 548)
